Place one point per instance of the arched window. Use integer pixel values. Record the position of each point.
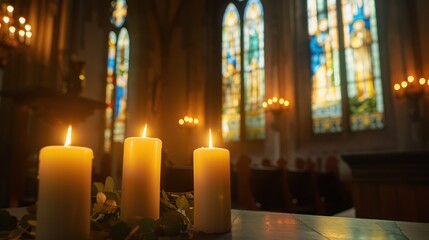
(110, 87)
(117, 77)
(237, 101)
(358, 52)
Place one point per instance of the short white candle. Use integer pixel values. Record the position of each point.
(212, 190)
(64, 202)
(141, 178)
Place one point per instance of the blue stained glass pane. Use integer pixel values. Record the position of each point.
(325, 67)
(121, 85)
(231, 74)
(254, 70)
(363, 65)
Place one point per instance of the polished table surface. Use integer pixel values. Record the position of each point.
(270, 225)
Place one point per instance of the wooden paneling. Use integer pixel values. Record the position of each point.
(393, 185)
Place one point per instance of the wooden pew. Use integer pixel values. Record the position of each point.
(267, 188)
(244, 195)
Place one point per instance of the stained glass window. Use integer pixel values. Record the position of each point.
(231, 74)
(254, 72)
(117, 76)
(363, 65)
(253, 77)
(325, 66)
(119, 13)
(122, 65)
(362, 71)
(110, 91)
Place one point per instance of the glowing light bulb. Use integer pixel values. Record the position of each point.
(275, 99)
(12, 29)
(21, 33)
(28, 34)
(6, 19)
(410, 79)
(21, 20)
(404, 84)
(196, 121)
(397, 87)
(281, 101)
(181, 121)
(422, 81)
(286, 103)
(9, 8)
(27, 27)
(264, 104)
(270, 101)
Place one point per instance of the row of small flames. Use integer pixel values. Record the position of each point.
(272, 104)
(411, 86)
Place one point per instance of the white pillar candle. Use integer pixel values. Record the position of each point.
(141, 178)
(64, 201)
(212, 190)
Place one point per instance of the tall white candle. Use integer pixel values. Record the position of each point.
(64, 201)
(141, 178)
(212, 190)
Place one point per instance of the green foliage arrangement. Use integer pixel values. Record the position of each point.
(176, 217)
(13, 229)
(176, 211)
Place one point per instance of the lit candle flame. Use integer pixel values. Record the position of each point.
(144, 131)
(210, 138)
(68, 138)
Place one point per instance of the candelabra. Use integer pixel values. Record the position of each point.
(13, 34)
(413, 92)
(276, 106)
(188, 121)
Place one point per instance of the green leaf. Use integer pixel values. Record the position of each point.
(182, 202)
(7, 222)
(99, 186)
(26, 219)
(147, 225)
(190, 214)
(167, 203)
(109, 185)
(164, 195)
